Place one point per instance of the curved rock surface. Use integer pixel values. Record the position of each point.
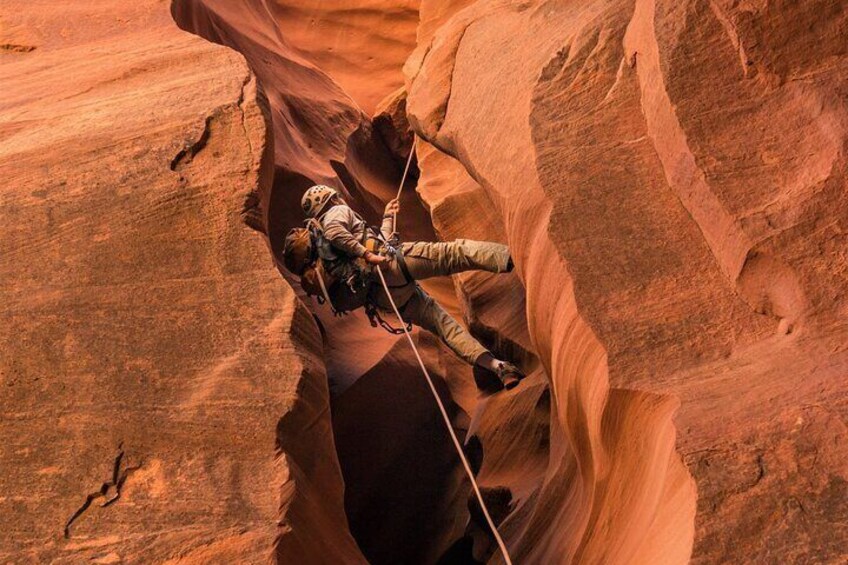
(670, 176)
(678, 243)
(154, 367)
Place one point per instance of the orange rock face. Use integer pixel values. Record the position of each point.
(154, 369)
(670, 176)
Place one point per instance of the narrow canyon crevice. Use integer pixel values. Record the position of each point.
(670, 176)
(634, 271)
(404, 495)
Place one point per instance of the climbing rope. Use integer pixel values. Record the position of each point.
(447, 421)
(438, 399)
(402, 182)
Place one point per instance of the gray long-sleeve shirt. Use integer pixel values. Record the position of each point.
(347, 231)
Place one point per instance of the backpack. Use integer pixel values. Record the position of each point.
(299, 251)
(325, 274)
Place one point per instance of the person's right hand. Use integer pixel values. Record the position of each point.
(392, 208)
(374, 259)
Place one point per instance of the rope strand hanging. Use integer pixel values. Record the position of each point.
(432, 386)
(402, 182)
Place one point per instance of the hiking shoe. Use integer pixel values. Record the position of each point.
(509, 374)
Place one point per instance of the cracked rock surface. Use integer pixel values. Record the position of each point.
(140, 315)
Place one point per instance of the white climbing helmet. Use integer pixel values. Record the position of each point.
(315, 199)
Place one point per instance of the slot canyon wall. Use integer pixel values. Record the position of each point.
(153, 367)
(669, 175)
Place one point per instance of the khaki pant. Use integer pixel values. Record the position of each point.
(424, 260)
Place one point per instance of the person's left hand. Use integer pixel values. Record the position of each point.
(392, 208)
(374, 259)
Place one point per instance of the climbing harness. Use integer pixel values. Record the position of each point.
(403, 268)
(371, 309)
(406, 328)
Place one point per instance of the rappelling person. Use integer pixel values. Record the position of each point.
(336, 254)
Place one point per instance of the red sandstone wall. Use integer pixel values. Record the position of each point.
(670, 176)
(147, 344)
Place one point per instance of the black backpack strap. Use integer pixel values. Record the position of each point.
(403, 268)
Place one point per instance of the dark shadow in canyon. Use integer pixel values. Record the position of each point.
(397, 460)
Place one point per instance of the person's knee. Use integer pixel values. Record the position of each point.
(427, 313)
(455, 255)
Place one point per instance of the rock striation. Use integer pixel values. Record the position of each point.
(670, 176)
(164, 395)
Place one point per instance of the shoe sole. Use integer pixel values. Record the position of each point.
(511, 382)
